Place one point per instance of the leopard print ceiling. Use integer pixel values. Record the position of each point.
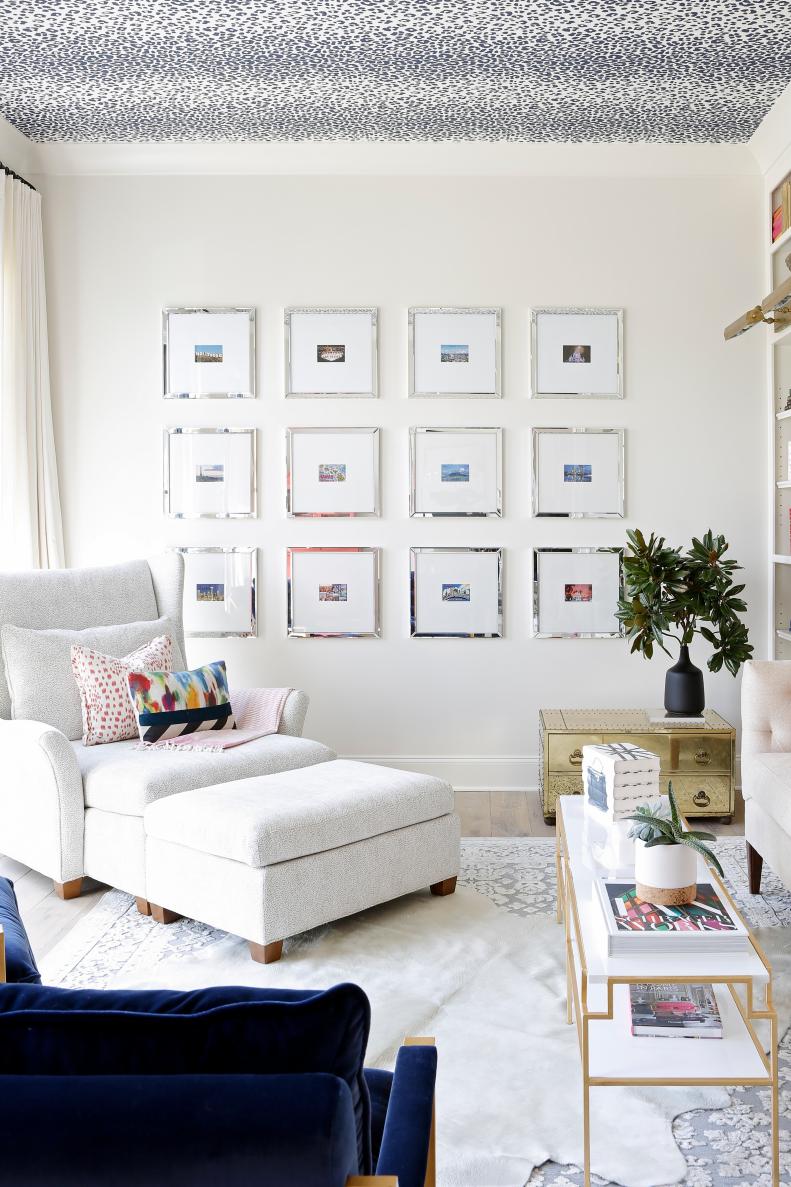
(532, 70)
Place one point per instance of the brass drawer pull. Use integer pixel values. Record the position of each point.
(575, 758)
(701, 798)
(702, 758)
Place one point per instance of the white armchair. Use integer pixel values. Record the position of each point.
(766, 768)
(68, 810)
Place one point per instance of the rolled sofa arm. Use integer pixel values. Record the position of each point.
(42, 807)
(294, 712)
(766, 707)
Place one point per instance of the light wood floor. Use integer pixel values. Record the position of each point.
(483, 814)
(518, 814)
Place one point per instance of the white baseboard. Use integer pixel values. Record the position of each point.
(467, 772)
(475, 772)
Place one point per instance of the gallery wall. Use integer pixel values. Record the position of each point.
(681, 255)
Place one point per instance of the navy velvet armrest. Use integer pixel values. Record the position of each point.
(180, 1131)
(20, 964)
(406, 1134)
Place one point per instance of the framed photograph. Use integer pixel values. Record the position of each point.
(333, 593)
(456, 593)
(332, 472)
(331, 352)
(210, 473)
(220, 592)
(578, 473)
(456, 471)
(208, 354)
(576, 591)
(454, 352)
(577, 353)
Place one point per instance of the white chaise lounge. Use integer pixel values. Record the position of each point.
(68, 810)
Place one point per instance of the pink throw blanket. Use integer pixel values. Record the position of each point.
(257, 711)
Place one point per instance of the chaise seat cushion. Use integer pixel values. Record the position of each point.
(262, 821)
(122, 778)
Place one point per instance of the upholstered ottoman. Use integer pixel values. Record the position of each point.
(268, 857)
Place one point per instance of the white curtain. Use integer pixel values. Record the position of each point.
(31, 534)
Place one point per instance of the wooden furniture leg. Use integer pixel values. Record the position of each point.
(143, 906)
(755, 865)
(372, 1181)
(446, 886)
(67, 890)
(266, 953)
(162, 914)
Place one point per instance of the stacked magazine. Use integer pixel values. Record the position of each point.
(675, 1011)
(635, 927)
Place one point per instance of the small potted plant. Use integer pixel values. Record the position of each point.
(670, 594)
(665, 855)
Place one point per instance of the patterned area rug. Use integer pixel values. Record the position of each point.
(726, 1147)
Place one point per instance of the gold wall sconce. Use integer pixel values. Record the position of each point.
(778, 303)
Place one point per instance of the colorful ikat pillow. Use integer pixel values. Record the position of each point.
(171, 704)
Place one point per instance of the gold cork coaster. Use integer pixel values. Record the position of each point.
(679, 896)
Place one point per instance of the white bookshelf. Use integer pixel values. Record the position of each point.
(778, 364)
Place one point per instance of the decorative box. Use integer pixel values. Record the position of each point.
(617, 777)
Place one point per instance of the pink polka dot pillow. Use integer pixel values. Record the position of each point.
(108, 714)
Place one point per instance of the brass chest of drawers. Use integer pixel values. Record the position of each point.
(699, 759)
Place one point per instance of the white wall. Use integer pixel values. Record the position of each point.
(683, 256)
(16, 151)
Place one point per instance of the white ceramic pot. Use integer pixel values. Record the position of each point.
(665, 874)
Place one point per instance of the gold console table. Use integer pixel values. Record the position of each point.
(699, 759)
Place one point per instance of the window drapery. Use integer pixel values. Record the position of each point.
(31, 534)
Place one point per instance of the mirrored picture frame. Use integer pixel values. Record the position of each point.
(455, 352)
(208, 353)
(220, 592)
(209, 473)
(576, 353)
(578, 473)
(456, 593)
(333, 593)
(332, 472)
(455, 472)
(576, 592)
(331, 352)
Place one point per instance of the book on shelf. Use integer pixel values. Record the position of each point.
(781, 209)
(635, 927)
(674, 1011)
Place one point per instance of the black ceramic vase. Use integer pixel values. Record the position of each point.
(684, 696)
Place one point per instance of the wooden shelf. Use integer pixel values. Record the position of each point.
(783, 415)
(782, 241)
(784, 635)
(779, 559)
(783, 485)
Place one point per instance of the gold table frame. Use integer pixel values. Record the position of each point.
(577, 1008)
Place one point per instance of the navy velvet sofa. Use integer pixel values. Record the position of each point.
(225, 1087)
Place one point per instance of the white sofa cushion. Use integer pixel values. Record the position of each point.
(38, 667)
(276, 818)
(122, 778)
(766, 778)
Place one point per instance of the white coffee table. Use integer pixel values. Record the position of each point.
(598, 995)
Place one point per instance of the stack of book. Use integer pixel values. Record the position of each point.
(674, 1012)
(637, 928)
(781, 209)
